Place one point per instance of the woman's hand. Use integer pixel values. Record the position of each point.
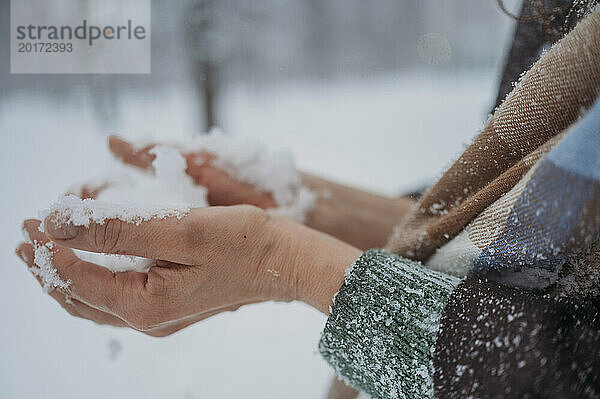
(222, 188)
(213, 260)
(359, 218)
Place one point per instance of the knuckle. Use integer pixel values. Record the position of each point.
(192, 233)
(112, 235)
(250, 210)
(106, 237)
(252, 218)
(152, 307)
(156, 285)
(126, 289)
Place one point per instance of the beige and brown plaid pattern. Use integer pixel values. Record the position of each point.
(549, 98)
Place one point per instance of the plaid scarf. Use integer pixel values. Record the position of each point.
(522, 203)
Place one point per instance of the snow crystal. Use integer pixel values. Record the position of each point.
(45, 269)
(460, 369)
(275, 273)
(82, 212)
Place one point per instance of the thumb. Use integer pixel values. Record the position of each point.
(165, 239)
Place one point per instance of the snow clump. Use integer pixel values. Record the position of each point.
(136, 195)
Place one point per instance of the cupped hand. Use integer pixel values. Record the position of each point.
(212, 260)
(222, 188)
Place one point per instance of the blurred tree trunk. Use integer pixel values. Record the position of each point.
(207, 85)
(319, 36)
(200, 34)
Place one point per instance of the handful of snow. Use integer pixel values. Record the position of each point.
(136, 196)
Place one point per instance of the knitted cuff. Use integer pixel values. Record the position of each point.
(380, 335)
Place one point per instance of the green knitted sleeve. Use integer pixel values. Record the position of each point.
(380, 335)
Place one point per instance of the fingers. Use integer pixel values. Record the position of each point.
(71, 305)
(178, 325)
(89, 191)
(92, 284)
(223, 189)
(79, 309)
(166, 239)
(127, 153)
(142, 157)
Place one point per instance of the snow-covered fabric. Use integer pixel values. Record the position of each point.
(556, 216)
(458, 255)
(512, 202)
(521, 204)
(499, 342)
(380, 336)
(533, 33)
(548, 220)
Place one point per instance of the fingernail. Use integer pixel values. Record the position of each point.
(64, 231)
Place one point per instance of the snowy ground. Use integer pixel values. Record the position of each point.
(389, 135)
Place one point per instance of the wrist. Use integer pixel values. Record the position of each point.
(320, 266)
(310, 265)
